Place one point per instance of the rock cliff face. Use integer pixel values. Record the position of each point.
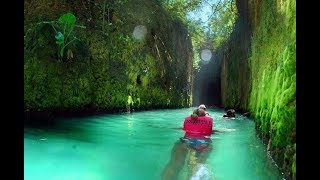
(258, 74)
(110, 66)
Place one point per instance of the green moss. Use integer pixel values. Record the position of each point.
(273, 73)
(270, 86)
(108, 65)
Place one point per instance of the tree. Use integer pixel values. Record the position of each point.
(222, 21)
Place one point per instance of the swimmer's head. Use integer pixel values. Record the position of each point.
(202, 106)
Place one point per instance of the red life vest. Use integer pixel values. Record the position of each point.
(198, 128)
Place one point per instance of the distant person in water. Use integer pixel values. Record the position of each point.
(196, 140)
(231, 113)
(202, 106)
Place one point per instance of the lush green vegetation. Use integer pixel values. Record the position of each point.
(104, 67)
(235, 76)
(259, 74)
(273, 74)
(222, 21)
(103, 64)
(210, 33)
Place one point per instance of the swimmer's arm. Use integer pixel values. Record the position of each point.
(222, 130)
(214, 131)
(180, 128)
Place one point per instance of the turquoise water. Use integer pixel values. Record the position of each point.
(138, 146)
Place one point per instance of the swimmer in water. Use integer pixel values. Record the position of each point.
(196, 140)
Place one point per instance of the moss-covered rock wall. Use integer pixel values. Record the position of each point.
(106, 68)
(235, 76)
(259, 74)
